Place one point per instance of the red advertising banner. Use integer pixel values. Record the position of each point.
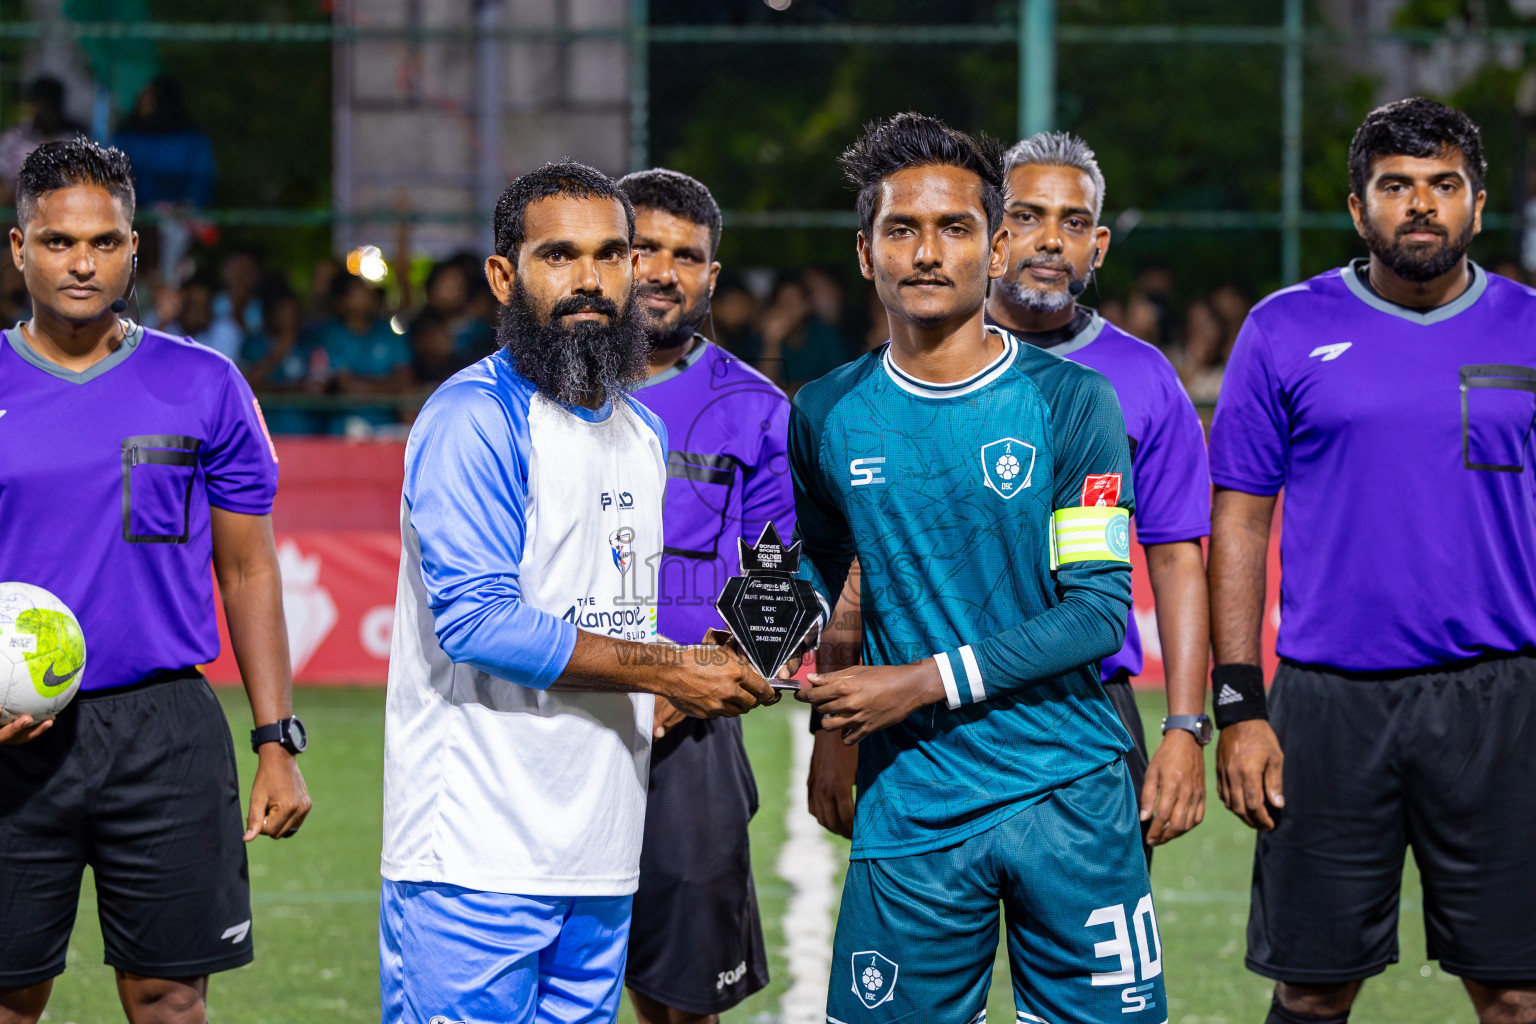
(338, 545)
(339, 599)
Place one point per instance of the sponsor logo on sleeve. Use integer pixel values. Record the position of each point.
(1101, 491)
(255, 404)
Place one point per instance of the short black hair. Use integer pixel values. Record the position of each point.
(71, 163)
(675, 193)
(1415, 127)
(561, 178)
(426, 321)
(915, 140)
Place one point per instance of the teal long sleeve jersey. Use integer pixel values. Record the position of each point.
(990, 518)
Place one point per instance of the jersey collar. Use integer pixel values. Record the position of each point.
(975, 382)
(1083, 338)
(682, 366)
(132, 335)
(1460, 304)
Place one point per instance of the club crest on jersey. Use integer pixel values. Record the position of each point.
(622, 543)
(874, 978)
(1007, 465)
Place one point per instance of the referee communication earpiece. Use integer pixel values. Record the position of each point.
(1079, 286)
(120, 305)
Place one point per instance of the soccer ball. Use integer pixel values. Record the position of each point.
(42, 653)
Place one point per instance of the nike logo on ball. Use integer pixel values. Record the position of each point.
(52, 681)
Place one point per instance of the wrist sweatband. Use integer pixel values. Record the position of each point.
(1239, 691)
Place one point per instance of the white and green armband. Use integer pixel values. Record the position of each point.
(1093, 534)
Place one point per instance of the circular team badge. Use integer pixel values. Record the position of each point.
(1117, 536)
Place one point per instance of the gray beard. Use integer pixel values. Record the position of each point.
(1037, 300)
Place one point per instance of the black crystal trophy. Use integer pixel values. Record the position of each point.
(768, 610)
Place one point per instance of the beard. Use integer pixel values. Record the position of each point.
(575, 366)
(1039, 300)
(688, 320)
(1418, 262)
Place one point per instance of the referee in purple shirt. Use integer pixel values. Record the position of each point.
(696, 942)
(1394, 401)
(134, 462)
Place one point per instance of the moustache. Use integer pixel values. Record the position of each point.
(666, 291)
(1047, 262)
(927, 279)
(1416, 225)
(584, 304)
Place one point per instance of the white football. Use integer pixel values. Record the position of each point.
(42, 653)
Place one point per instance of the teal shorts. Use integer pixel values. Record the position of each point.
(916, 936)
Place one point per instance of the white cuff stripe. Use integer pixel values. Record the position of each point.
(951, 691)
(973, 673)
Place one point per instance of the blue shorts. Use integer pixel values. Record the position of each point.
(460, 956)
(917, 935)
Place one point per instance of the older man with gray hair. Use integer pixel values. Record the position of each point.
(1055, 197)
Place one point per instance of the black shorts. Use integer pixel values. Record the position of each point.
(1442, 761)
(1118, 689)
(696, 941)
(140, 784)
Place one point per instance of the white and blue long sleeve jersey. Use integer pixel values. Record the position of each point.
(522, 521)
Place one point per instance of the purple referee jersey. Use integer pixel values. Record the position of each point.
(105, 491)
(1403, 441)
(727, 477)
(1172, 482)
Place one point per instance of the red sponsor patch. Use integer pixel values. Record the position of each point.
(256, 404)
(1101, 491)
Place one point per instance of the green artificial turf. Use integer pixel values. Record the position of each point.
(316, 900)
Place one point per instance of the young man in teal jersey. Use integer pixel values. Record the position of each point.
(984, 486)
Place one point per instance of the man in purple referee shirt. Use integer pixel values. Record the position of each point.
(696, 942)
(1393, 400)
(1055, 196)
(136, 469)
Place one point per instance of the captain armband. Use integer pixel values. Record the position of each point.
(1094, 534)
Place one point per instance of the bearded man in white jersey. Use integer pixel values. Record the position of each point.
(525, 659)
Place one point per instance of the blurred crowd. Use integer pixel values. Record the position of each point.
(344, 356)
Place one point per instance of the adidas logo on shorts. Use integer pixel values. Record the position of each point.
(1228, 696)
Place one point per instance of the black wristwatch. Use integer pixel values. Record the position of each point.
(288, 731)
(1199, 725)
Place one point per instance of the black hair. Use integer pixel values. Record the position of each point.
(1415, 127)
(563, 178)
(915, 140)
(68, 164)
(343, 283)
(169, 113)
(442, 268)
(675, 193)
(46, 91)
(425, 321)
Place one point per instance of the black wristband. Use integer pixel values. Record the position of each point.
(815, 721)
(1239, 691)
